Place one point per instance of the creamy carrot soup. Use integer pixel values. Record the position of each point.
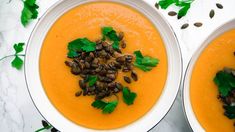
(86, 21)
(203, 92)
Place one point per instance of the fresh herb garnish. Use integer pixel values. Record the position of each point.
(17, 62)
(106, 107)
(80, 44)
(91, 80)
(184, 6)
(225, 82)
(230, 112)
(29, 11)
(145, 63)
(109, 32)
(128, 96)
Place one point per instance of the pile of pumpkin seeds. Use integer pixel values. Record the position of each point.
(99, 69)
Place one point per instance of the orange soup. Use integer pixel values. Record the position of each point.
(203, 92)
(86, 21)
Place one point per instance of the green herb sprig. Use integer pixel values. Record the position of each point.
(184, 6)
(110, 33)
(225, 82)
(17, 62)
(80, 44)
(29, 11)
(128, 96)
(106, 107)
(145, 63)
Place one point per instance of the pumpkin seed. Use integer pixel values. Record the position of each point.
(220, 6)
(198, 24)
(134, 75)
(157, 5)
(172, 13)
(127, 79)
(184, 26)
(77, 94)
(212, 13)
(123, 44)
(121, 35)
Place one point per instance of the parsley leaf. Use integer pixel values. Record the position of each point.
(230, 112)
(106, 107)
(109, 32)
(29, 11)
(91, 80)
(165, 3)
(30, 2)
(128, 96)
(115, 45)
(185, 5)
(145, 63)
(225, 82)
(109, 108)
(18, 47)
(99, 104)
(142, 67)
(106, 30)
(183, 11)
(80, 44)
(17, 62)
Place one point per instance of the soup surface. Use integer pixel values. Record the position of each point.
(204, 92)
(86, 21)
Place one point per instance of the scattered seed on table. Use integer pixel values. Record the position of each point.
(212, 13)
(197, 24)
(184, 26)
(219, 6)
(157, 5)
(172, 13)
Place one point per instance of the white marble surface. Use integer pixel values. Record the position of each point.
(17, 112)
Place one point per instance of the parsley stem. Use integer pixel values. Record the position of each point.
(44, 128)
(11, 56)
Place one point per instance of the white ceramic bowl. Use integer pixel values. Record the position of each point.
(194, 123)
(51, 114)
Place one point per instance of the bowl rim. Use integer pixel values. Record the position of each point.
(174, 37)
(188, 110)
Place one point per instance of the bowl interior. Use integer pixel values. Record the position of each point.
(40, 98)
(194, 123)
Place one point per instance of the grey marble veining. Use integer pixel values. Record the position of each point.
(17, 112)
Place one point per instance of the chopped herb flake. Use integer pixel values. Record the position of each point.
(79, 44)
(225, 82)
(108, 32)
(145, 63)
(128, 96)
(106, 107)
